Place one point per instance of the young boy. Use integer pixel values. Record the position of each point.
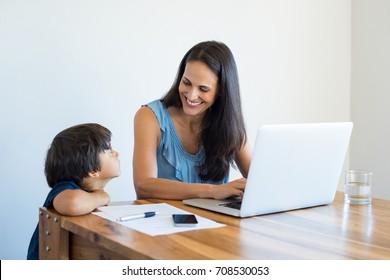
(79, 164)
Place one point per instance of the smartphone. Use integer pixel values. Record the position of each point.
(184, 220)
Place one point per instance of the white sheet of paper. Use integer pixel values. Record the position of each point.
(160, 224)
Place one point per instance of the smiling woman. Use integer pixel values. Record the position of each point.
(198, 88)
(186, 142)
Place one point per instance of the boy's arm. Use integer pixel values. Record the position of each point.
(79, 202)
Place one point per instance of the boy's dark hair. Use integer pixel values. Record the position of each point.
(223, 129)
(74, 153)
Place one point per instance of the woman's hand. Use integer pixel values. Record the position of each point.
(232, 189)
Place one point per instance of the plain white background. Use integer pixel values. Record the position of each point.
(68, 62)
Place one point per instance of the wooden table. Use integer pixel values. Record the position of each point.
(335, 231)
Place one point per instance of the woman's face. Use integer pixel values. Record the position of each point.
(198, 88)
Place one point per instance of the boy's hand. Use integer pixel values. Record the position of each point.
(104, 196)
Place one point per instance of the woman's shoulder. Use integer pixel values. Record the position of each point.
(151, 112)
(145, 117)
(156, 105)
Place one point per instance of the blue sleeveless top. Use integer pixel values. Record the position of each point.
(173, 161)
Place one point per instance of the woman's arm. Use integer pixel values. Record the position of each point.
(79, 202)
(243, 159)
(147, 135)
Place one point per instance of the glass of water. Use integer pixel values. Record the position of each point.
(358, 186)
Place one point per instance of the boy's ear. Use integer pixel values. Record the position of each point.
(93, 174)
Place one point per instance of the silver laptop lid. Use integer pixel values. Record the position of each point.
(295, 166)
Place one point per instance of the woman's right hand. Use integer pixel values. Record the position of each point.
(234, 188)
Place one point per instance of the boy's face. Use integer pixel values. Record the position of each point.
(109, 164)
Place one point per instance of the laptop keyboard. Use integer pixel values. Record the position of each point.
(235, 205)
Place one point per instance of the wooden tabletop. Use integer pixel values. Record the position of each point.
(335, 231)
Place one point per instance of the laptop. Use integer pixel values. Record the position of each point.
(293, 166)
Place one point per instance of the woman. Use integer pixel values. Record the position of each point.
(185, 143)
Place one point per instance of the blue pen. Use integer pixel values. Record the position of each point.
(136, 216)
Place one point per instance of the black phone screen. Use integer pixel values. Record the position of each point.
(184, 219)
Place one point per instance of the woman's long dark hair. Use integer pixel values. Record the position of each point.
(223, 129)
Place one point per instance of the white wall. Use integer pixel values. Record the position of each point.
(69, 62)
(370, 91)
